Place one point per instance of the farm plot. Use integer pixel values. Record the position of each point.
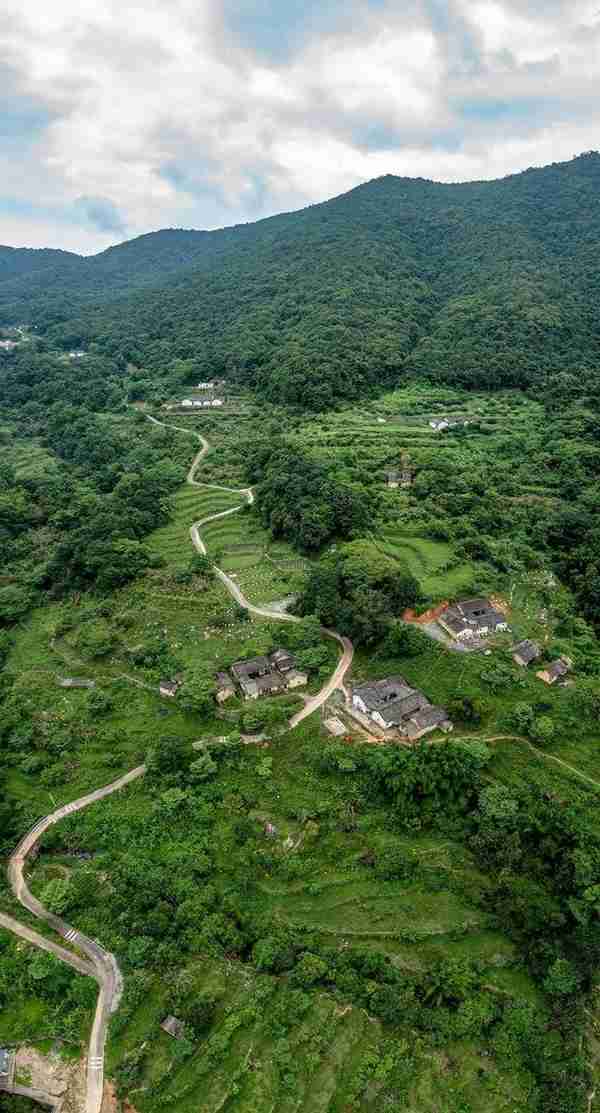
(190, 504)
(433, 563)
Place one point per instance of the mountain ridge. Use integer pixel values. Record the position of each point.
(483, 282)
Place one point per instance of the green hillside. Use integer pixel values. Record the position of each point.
(484, 283)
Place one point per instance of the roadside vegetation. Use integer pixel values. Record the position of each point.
(338, 924)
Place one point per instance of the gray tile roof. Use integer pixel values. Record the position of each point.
(253, 667)
(527, 651)
(376, 694)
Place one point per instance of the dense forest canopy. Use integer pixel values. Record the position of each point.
(481, 283)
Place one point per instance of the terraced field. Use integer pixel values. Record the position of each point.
(189, 505)
(433, 563)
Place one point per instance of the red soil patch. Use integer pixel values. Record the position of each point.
(427, 616)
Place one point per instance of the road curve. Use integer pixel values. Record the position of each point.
(102, 964)
(337, 678)
(31, 936)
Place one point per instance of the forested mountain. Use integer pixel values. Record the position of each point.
(481, 283)
(18, 261)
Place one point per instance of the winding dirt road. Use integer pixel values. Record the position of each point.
(99, 963)
(336, 680)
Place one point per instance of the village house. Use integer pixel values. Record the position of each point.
(225, 687)
(472, 618)
(392, 704)
(283, 660)
(8, 345)
(217, 402)
(173, 1027)
(169, 688)
(77, 354)
(187, 402)
(206, 386)
(261, 676)
(5, 1057)
(525, 652)
(556, 671)
(441, 423)
(393, 479)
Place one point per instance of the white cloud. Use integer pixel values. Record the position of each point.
(176, 112)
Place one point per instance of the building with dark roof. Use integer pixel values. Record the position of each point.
(556, 671)
(392, 704)
(283, 660)
(262, 676)
(525, 652)
(472, 618)
(169, 688)
(173, 1027)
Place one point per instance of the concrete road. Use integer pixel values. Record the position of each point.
(80, 964)
(337, 678)
(103, 963)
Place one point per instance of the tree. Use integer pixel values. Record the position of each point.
(309, 969)
(56, 895)
(197, 693)
(203, 768)
(561, 979)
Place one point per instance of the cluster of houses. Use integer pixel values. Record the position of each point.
(441, 423)
(472, 619)
(393, 704)
(201, 404)
(261, 676)
(525, 652)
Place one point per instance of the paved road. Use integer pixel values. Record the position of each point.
(337, 678)
(101, 962)
(80, 964)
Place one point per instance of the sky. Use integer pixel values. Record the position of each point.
(119, 118)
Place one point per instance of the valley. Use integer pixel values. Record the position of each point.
(306, 834)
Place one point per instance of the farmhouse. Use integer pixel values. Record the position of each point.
(169, 688)
(525, 652)
(283, 660)
(472, 618)
(173, 1027)
(261, 676)
(392, 703)
(556, 671)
